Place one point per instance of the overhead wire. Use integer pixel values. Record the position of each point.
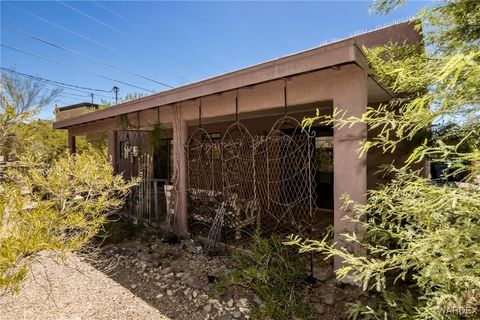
(125, 34)
(62, 86)
(190, 52)
(74, 68)
(93, 41)
(82, 55)
(54, 82)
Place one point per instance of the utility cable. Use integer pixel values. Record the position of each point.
(54, 82)
(75, 68)
(111, 49)
(125, 34)
(190, 52)
(82, 55)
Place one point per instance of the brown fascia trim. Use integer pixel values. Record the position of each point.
(361, 61)
(339, 53)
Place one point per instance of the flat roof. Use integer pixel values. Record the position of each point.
(78, 105)
(325, 56)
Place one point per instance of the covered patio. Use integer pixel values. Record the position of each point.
(237, 138)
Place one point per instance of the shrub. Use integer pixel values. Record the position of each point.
(274, 272)
(57, 208)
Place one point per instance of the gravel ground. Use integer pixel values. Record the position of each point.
(148, 278)
(74, 290)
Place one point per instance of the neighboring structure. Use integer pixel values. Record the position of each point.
(335, 75)
(74, 110)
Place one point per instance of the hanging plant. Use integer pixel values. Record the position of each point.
(124, 122)
(156, 135)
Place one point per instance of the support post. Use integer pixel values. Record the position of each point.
(72, 147)
(112, 149)
(350, 170)
(179, 141)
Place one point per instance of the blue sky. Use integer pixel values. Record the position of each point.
(169, 42)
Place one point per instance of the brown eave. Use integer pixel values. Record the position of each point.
(334, 54)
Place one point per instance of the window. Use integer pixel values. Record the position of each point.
(324, 170)
(163, 160)
(124, 150)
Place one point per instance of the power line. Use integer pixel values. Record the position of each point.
(55, 82)
(60, 27)
(75, 68)
(91, 40)
(90, 17)
(82, 55)
(108, 9)
(163, 38)
(124, 34)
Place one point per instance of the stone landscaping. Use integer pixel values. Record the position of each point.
(177, 279)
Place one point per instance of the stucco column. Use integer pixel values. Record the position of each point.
(112, 148)
(350, 171)
(72, 146)
(180, 164)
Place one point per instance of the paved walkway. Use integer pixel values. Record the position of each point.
(73, 291)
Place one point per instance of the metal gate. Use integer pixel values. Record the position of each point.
(267, 183)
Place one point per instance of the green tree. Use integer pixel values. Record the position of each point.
(50, 200)
(422, 238)
(21, 100)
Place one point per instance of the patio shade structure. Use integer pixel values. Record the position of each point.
(334, 75)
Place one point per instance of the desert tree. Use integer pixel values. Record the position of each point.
(422, 238)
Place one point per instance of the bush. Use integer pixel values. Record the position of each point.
(276, 274)
(423, 241)
(57, 208)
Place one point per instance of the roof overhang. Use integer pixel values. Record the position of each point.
(328, 56)
(315, 59)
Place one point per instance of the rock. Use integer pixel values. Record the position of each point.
(166, 264)
(242, 302)
(144, 256)
(169, 293)
(328, 299)
(154, 260)
(207, 308)
(213, 301)
(206, 288)
(226, 316)
(195, 293)
(237, 314)
(244, 310)
(318, 307)
(160, 295)
(133, 286)
(227, 296)
(179, 275)
(186, 275)
(187, 292)
(230, 303)
(166, 270)
(195, 282)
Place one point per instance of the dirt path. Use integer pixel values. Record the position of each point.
(73, 291)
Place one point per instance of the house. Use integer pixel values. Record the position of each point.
(74, 110)
(239, 135)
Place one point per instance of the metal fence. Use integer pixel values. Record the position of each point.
(244, 184)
